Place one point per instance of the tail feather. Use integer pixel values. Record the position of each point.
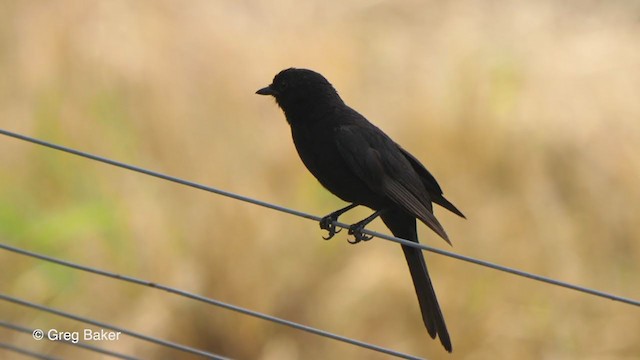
(404, 226)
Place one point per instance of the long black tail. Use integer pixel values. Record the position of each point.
(404, 226)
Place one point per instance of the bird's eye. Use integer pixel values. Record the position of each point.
(283, 85)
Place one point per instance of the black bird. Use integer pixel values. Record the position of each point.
(360, 164)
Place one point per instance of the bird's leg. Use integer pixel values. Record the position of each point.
(327, 222)
(356, 229)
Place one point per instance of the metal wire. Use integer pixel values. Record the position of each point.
(208, 301)
(103, 325)
(25, 352)
(69, 342)
(317, 218)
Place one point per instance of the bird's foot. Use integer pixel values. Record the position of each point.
(327, 223)
(356, 230)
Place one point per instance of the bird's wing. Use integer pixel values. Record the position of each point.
(380, 163)
(431, 184)
(427, 179)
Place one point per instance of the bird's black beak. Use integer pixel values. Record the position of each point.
(267, 91)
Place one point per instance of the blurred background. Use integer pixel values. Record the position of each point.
(527, 113)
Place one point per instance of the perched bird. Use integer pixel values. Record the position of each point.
(361, 165)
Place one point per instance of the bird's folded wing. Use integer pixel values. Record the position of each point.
(431, 184)
(380, 163)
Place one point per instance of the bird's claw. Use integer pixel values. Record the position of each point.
(358, 235)
(327, 223)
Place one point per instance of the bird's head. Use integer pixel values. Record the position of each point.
(300, 89)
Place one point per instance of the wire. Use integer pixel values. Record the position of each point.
(111, 327)
(30, 353)
(207, 300)
(69, 342)
(317, 218)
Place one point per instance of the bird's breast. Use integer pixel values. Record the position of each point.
(318, 151)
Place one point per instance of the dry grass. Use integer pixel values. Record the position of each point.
(527, 113)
